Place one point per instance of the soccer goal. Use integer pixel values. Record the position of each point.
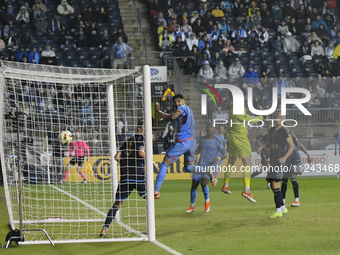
(44, 203)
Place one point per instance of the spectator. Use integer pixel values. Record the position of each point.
(263, 37)
(119, 33)
(8, 16)
(239, 33)
(257, 103)
(197, 27)
(95, 145)
(236, 70)
(195, 16)
(319, 80)
(329, 50)
(89, 16)
(290, 44)
(86, 114)
(19, 55)
(252, 33)
(326, 102)
(317, 95)
(25, 39)
(255, 44)
(295, 4)
(307, 29)
(301, 13)
(252, 9)
(79, 35)
(2, 44)
(39, 20)
(178, 32)
(121, 123)
(313, 37)
(250, 78)
(257, 20)
(33, 56)
(67, 40)
(316, 23)
(247, 24)
(43, 7)
(241, 13)
(4, 31)
(333, 86)
(186, 28)
(23, 17)
(48, 56)
(102, 16)
(224, 28)
(55, 25)
(169, 139)
(293, 28)
(264, 80)
(183, 58)
(276, 12)
(215, 60)
(329, 18)
(229, 59)
(305, 51)
(323, 34)
(92, 36)
(119, 54)
(11, 41)
(280, 83)
(214, 33)
(336, 66)
(201, 44)
(282, 29)
(333, 32)
(220, 72)
(217, 12)
(289, 10)
(105, 40)
(277, 45)
(204, 9)
(177, 43)
(317, 50)
(241, 45)
(171, 26)
(64, 8)
(324, 68)
(227, 6)
(161, 28)
(191, 41)
(267, 20)
(206, 72)
(28, 8)
(228, 47)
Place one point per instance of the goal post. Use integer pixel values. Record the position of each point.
(55, 198)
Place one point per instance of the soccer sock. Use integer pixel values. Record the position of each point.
(284, 189)
(246, 179)
(161, 176)
(110, 216)
(227, 175)
(278, 199)
(65, 174)
(193, 195)
(296, 190)
(206, 192)
(82, 175)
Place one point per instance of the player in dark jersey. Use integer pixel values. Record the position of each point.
(212, 151)
(185, 140)
(261, 140)
(132, 176)
(283, 159)
(294, 174)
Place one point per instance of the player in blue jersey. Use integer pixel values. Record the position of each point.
(185, 140)
(209, 147)
(294, 174)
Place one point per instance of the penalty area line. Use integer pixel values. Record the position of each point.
(168, 249)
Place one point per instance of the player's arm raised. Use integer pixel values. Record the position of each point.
(166, 116)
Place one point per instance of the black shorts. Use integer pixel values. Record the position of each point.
(278, 172)
(125, 188)
(77, 160)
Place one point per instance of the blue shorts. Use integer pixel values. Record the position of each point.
(187, 148)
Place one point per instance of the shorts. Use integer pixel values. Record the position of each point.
(239, 146)
(77, 160)
(278, 172)
(187, 148)
(126, 187)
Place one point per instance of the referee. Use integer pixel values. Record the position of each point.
(132, 176)
(283, 161)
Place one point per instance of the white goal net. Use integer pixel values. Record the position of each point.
(68, 199)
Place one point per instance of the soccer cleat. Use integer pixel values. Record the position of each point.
(84, 181)
(213, 177)
(296, 204)
(226, 190)
(285, 211)
(103, 233)
(191, 209)
(276, 215)
(214, 182)
(248, 196)
(207, 207)
(157, 195)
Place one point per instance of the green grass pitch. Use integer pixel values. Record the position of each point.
(233, 226)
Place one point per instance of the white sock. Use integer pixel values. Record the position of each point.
(247, 189)
(192, 205)
(226, 185)
(207, 200)
(278, 210)
(284, 200)
(283, 208)
(297, 199)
